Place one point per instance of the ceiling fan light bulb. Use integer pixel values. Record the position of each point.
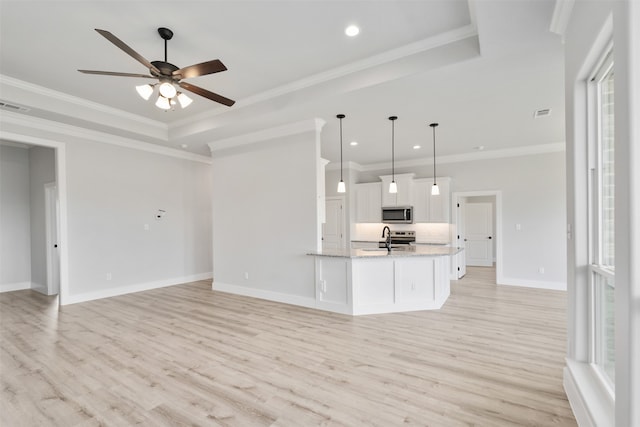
(167, 90)
(163, 103)
(184, 100)
(393, 188)
(341, 187)
(145, 91)
(435, 191)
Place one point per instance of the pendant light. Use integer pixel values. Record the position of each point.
(393, 187)
(341, 186)
(435, 191)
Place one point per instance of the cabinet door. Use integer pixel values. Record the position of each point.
(368, 202)
(414, 278)
(375, 202)
(388, 199)
(421, 196)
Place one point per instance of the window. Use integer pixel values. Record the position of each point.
(601, 212)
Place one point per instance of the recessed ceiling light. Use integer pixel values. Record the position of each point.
(353, 143)
(352, 31)
(416, 147)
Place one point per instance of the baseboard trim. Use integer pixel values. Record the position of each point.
(19, 286)
(556, 286)
(38, 287)
(308, 302)
(591, 406)
(138, 287)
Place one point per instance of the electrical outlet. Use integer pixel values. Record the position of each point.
(541, 270)
(246, 275)
(413, 286)
(146, 227)
(108, 276)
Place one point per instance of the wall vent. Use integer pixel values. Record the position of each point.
(542, 113)
(13, 107)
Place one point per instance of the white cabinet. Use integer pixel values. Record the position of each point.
(404, 196)
(428, 208)
(368, 202)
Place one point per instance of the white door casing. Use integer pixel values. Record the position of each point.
(461, 256)
(51, 230)
(333, 229)
(478, 225)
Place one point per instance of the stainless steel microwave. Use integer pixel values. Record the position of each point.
(397, 215)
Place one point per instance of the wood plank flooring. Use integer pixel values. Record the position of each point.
(186, 355)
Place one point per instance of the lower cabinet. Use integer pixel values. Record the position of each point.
(381, 284)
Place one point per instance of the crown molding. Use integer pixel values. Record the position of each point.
(467, 157)
(364, 64)
(561, 15)
(49, 126)
(158, 129)
(350, 165)
(311, 125)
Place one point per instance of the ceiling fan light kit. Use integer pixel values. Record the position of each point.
(169, 76)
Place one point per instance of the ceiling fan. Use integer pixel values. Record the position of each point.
(168, 75)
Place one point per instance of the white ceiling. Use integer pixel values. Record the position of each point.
(479, 68)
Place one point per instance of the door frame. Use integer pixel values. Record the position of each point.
(343, 229)
(455, 199)
(51, 210)
(61, 181)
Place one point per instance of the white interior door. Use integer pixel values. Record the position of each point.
(478, 226)
(52, 209)
(333, 228)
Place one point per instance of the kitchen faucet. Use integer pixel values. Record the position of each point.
(387, 242)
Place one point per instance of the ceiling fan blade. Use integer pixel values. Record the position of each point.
(209, 67)
(207, 94)
(113, 73)
(122, 45)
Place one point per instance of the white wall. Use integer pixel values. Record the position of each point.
(265, 218)
(15, 227)
(110, 188)
(41, 172)
(113, 193)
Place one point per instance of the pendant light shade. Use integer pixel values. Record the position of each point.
(435, 191)
(145, 91)
(393, 187)
(341, 187)
(163, 103)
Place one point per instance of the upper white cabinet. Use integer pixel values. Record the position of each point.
(368, 202)
(428, 208)
(404, 196)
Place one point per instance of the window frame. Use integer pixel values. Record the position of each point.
(596, 267)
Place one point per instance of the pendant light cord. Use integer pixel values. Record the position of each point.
(433, 126)
(341, 148)
(393, 148)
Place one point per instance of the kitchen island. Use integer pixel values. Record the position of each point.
(374, 280)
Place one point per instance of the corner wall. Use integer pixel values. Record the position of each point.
(265, 215)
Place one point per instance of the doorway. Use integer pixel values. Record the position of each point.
(55, 201)
(478, 224)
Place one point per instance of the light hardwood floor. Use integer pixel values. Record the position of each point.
(186, 355)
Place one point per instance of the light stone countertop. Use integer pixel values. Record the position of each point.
(411, 251)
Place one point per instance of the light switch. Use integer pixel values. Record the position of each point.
(146, 227)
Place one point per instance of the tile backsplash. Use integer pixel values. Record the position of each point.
(425, 232)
